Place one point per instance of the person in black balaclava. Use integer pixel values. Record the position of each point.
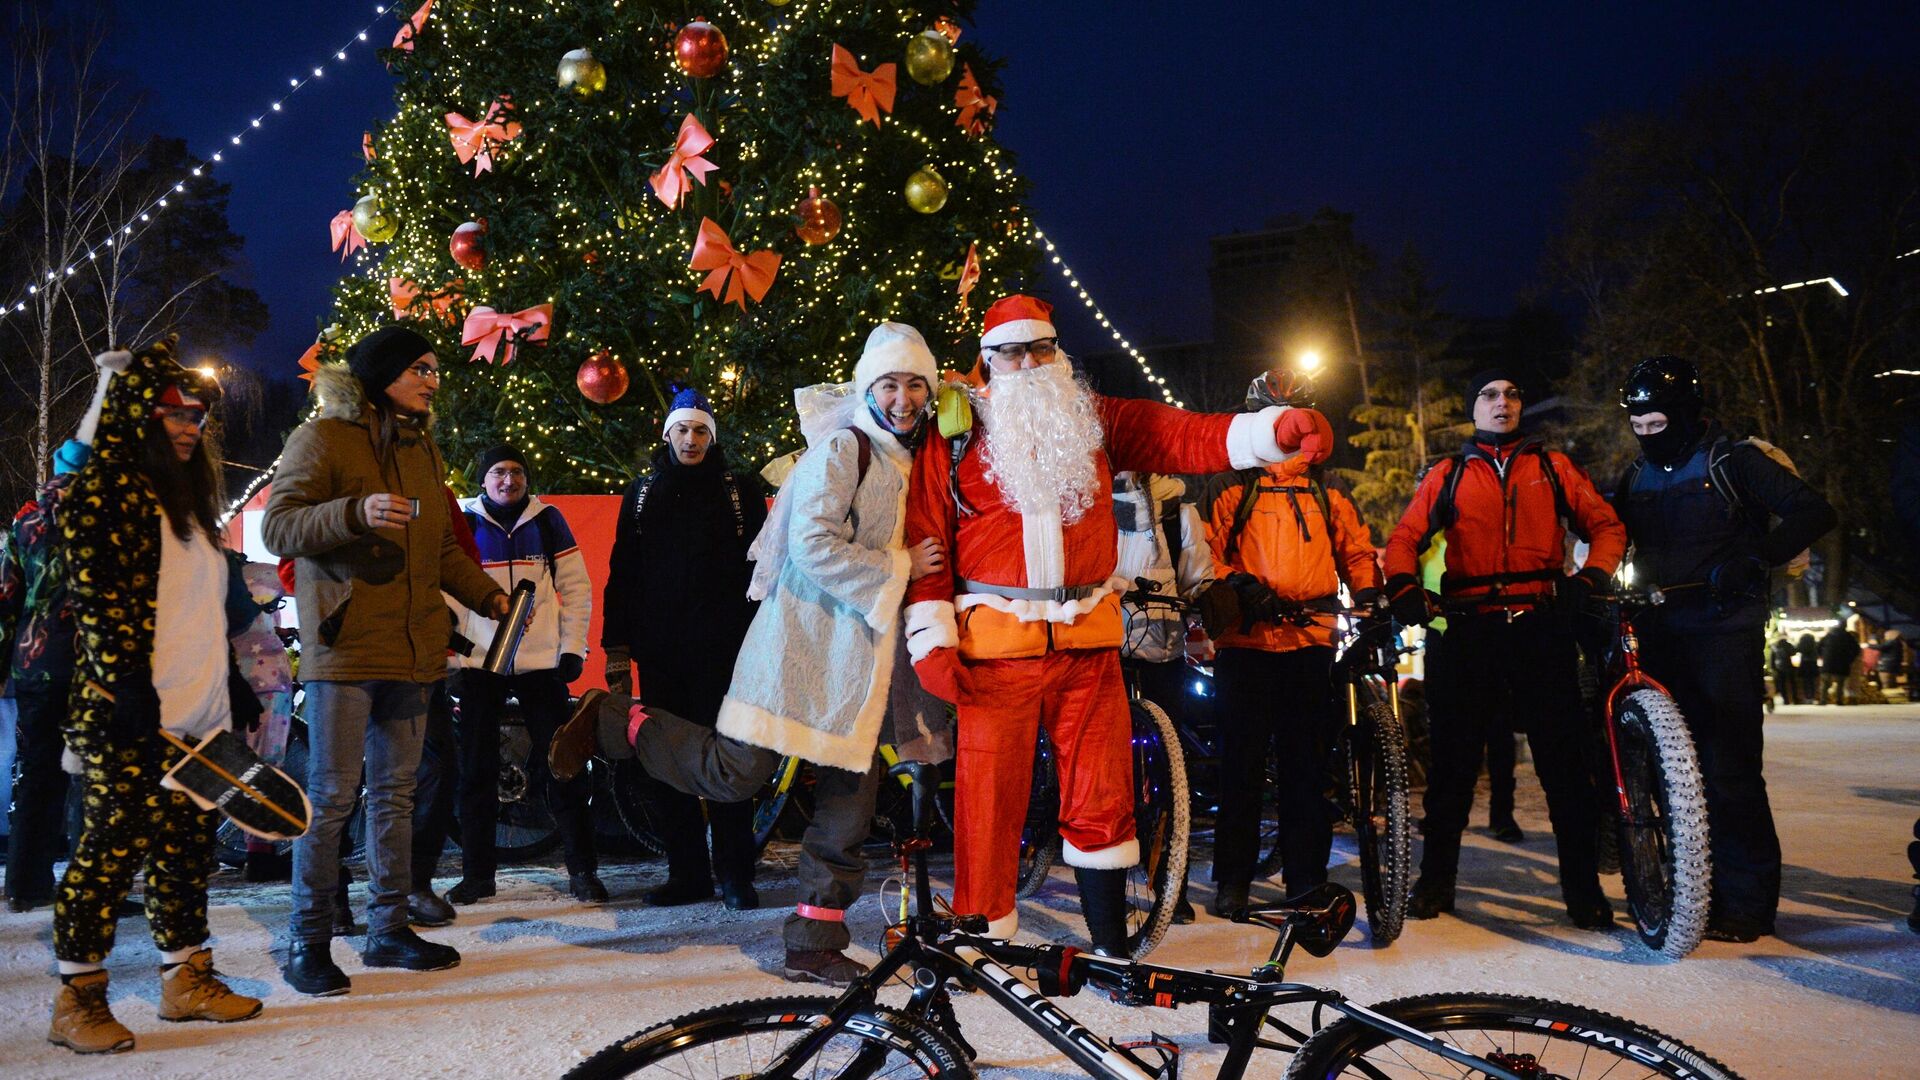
(1697, 507)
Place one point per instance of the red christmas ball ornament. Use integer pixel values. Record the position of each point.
(469, 245)
(602, 378)
(819, 218)
(700, 49)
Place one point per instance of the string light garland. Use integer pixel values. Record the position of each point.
(1073, 282)
(127, 233)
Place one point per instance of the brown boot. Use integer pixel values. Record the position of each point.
(191, 991)
(577, 740)
(81, 1020)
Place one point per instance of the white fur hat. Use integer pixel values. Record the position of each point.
(894, 347)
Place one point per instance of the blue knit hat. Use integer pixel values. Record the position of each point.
(691, 404)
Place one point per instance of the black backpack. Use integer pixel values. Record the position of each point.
(1445, 513)
(1250, 488)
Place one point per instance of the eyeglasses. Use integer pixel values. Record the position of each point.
(506, 472)
(182, 418)
(1015, 351)
(1511, 393)
(425, 373)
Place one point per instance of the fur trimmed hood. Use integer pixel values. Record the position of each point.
(341, 396)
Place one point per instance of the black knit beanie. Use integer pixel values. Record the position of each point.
(503, 452)
(1478, 381)
(381, 356)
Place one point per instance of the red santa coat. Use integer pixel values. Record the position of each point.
(1046, 661)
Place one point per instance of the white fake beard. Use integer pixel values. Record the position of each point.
(1042, 431)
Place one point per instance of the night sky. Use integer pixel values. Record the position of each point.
(1145, 128)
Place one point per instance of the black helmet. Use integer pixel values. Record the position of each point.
(1280, 386)
(1665, 384)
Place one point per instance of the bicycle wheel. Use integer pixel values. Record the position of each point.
(740, 1040)
(1530, 1036)
(630, 802)
(1160, 821)
(1040, 835)
(1663, 839)
(772, 801)
(1382, 820)
(525, 828)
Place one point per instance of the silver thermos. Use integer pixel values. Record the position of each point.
(506, 640)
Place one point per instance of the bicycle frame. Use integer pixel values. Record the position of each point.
(1625, 655)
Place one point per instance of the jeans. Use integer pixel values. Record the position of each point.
(383, 722)
(38, 825)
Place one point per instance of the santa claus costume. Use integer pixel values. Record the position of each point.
(1024, 633)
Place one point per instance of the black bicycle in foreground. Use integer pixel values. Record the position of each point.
(854, 1036)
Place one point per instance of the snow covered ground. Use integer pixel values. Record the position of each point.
(546, 981)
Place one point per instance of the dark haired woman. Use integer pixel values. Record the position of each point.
(358, 503)
(147, 581)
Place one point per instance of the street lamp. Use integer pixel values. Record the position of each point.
(1309, 361)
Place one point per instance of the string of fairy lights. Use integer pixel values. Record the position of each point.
(129, 230)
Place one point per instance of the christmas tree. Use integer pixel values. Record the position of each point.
(599, 201)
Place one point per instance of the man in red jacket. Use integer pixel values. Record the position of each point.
(1506, 504)
(1025, 630)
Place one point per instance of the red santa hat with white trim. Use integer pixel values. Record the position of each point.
(1017, 318)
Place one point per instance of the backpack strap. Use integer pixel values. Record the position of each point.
(865, 442)
(1242, 510)
(957, 449)
(1444, 513)
(1326, 517)
(1560, 505)
(733, 496)
(1722, 481)
(640, 497)
(1170, 529)
(541, 523)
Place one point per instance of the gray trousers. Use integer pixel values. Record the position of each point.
(699, 761)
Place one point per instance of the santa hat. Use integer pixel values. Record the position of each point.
(691, 404)
(110, 364)
(1017, 318)
(895, 347)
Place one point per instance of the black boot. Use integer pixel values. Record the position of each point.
(1103, 900)
(1431, 896)
(402, 948)
(310, 969)
(586, 887)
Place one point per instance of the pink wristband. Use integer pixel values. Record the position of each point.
(824, 914)
(636, 716)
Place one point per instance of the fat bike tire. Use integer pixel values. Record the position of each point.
(1382, 820)
(1040, 834)
(1529, 1036)
(1664, 858)
(1162, 808)
(742, 1039)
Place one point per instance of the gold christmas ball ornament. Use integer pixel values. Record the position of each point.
(582, 74)
(926, 190)
(929, 58)
(373, 221)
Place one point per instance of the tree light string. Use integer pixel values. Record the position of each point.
(126, 233)
(1053, 256)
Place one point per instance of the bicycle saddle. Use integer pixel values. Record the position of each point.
(1320, 918)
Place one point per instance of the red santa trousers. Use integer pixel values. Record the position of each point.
(1081, 700)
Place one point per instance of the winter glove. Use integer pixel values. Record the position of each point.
(1306, 431)
(1219, 608)
(1258, 603)
(945, 675)
(1738, 579)
(1366, 599)
(136, 709)
(1574, 591)
(1409, 602)
(571, 665)
(619, 670)
(244, 704)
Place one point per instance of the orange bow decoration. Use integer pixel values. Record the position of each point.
(494, 333)
(310, 361)
(869, 92)
(972, 102)
(969, 275)
(752, 275)
(671, 182)
(346, 238)
(366, 145)
(475, 140)
(405, 294)
(948, 27)
(412, 27)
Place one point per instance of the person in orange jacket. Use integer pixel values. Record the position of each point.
(1280, 539)
(1505, 503)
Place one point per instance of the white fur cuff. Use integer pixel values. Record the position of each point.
(71, 764)
(1118, 857)
(930, 626)
(1005, 926)
(886, 609)
(1250, 439)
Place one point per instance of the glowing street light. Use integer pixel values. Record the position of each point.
(1309, 361)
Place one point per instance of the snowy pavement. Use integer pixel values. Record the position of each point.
(546, 981)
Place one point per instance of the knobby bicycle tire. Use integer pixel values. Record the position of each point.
(1040, 834)
(1531, 1035)
(772, 801)
(738, 1040)
(1664, 859)
(1382, 819)
(630, 803)
(1161, 822)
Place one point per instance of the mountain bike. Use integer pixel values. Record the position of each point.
(853, 1035)
(785, 804)
(1372, 755)
(1659, 811)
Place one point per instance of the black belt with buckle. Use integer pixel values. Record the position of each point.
(1062, 595)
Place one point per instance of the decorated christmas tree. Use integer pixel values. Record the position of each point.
(589, 204)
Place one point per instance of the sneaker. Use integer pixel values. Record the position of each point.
(310, 970)
(575, 741)
(192, 990)
(424, 908)
(829, 966)
(1507, 831)
(1595, 914)
(1431, 896)
(82, 1022)
(402, 948)
(586, 887)
(1227, 899)
(739, 896)
(469, 891)
(675, 893)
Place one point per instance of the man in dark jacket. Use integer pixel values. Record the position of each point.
(1807, 647)
(1697, 506)
(1838, 651)
(1780, 659)
(676, 607)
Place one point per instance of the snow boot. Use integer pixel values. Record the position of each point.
(1103, 900)
(402, 948)
(310, 970)
(82, 1022)
(1431, 896)
(192, 990)
(1228, 899)
(829, 966)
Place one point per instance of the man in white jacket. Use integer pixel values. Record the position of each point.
(522, 539)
